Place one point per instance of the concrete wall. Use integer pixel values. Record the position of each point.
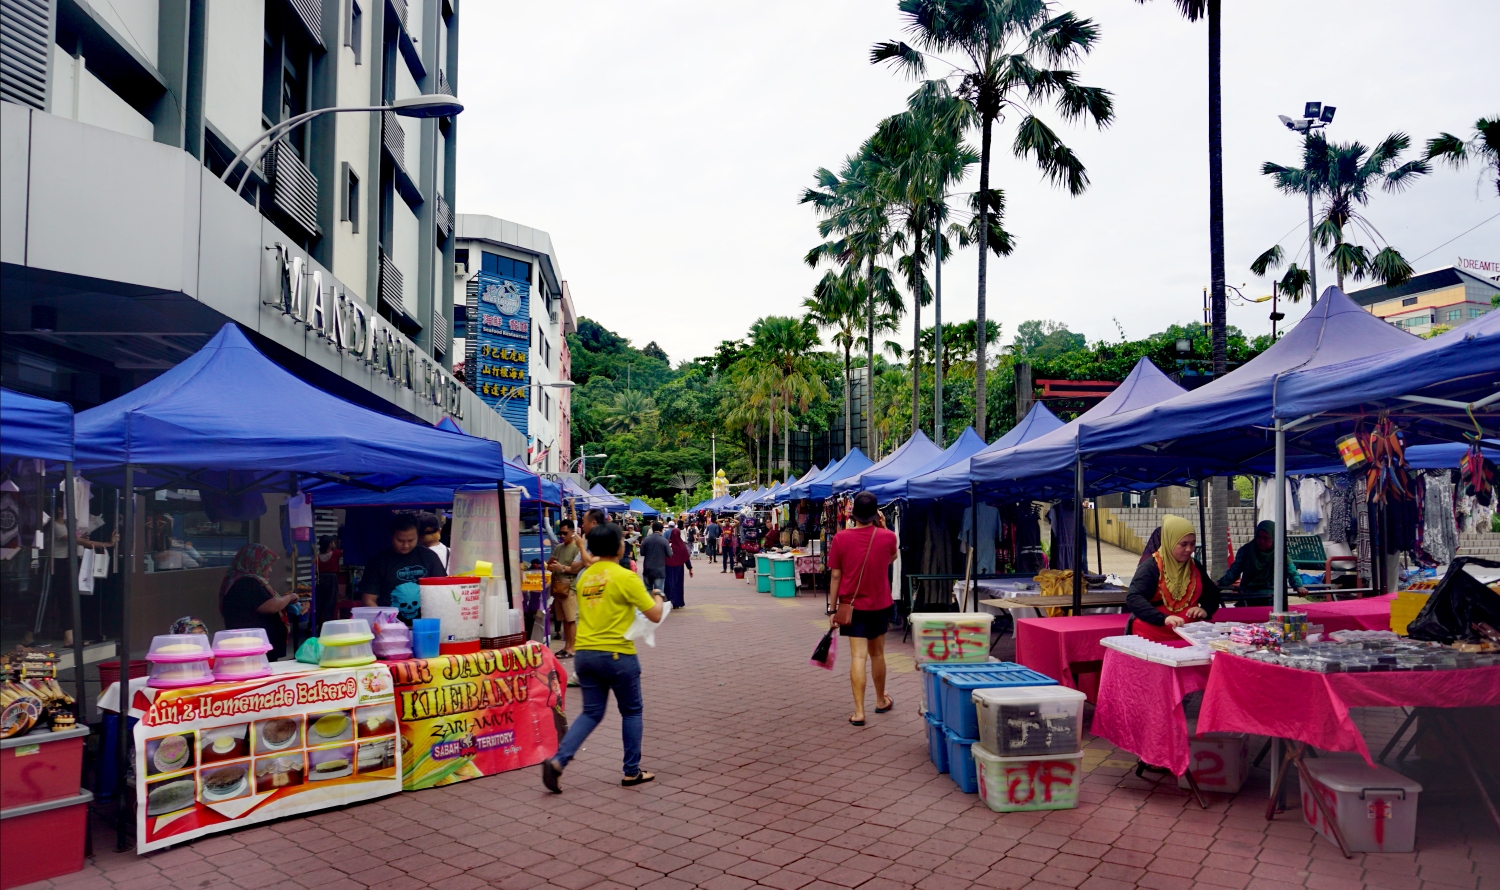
(233, 59)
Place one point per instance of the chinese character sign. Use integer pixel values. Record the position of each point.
(500, 375)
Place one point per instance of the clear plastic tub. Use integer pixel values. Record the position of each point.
(346, 642)
(1029, 720)
(959, 683)
(1220, 761)
(958, 637)
(233, 668)
(1375, 807)
(243, 641)
(1024, 784)
(167, 648)
(175, 674)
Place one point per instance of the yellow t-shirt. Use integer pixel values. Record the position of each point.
(608, 596)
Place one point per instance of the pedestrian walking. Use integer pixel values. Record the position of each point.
(679, 560)
(711, 534)
(608, 597)
(728, 544)
(859, 583)
(654, 553)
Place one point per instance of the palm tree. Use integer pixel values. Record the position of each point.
(835, 306)
(1344, 176)
(1005, 49)
(783, 348)
(1483, 146)
(628, 411)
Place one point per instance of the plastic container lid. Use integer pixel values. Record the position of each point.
(448, 579)
(180, 647)
(172, 674)
(233, 668)
(241, 642)
(978, 676)
(1353, 775)
(952, 617)
(1002, 695)
(345, 632)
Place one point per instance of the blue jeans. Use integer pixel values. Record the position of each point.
(598, 673)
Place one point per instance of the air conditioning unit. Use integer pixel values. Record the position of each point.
(460, 270)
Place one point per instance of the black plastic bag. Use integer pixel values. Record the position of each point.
(1458, 603)
(823, 654)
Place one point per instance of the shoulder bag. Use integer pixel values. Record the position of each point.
(843, 615)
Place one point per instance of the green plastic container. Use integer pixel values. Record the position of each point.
(783, 567)
(762, 573)
(784, 587)
(1025, 784)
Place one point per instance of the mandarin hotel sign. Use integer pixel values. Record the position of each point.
(318, 301)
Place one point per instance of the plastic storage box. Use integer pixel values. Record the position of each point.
(1375, 807)
(43, 840)
(1021, 784)
(783, 567)
(954, 637)
(961, 761)
(762, 573)
(41, 766)
(932, 684)
(937, 743)
(784, 587)
(346, 643)
(1220, 761)
(241, 655)
(179, 660)
(959, 685)
(1029, 720)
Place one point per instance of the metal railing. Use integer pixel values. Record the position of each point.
(442, 214)
(393, 137)
(390, 285)
(294, 188)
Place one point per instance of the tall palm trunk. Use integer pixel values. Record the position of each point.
(848, 395)
(869, 402)
(771, 443)
(937, 331)
(980, 360)
(786, 444)
(916, 336)
(1216, 194)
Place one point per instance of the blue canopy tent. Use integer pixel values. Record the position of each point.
(965, 446)
(574, 492)
(770, 496)
(33, 428)
(447, 423)
(915, 452)
(637, 505)
(953, 479)
(602, 498)
(820, 484)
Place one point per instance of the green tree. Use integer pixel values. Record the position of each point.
(1344, 176)
(629, 411)
(1003, 51)
(1044, 339)
(1483, 147)
(782, 346)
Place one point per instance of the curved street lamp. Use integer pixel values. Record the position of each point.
(425, 106)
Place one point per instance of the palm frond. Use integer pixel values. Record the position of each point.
(900, 56)
(1271, 259)
(1057, 162)
(1391, 267)
(1065, 38)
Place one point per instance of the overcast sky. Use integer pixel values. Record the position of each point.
(664, 146)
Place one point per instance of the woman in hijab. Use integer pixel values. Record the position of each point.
(679, 560)
(1171, 588)
(1255, 566)
(247, 599)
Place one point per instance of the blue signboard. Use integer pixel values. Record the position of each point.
(502, 333)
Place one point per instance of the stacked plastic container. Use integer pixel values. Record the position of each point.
(241, 655)
(952, 726)
(346, 642)
(179, 660)
(1030, 750)
(951, 637)
(392, 637)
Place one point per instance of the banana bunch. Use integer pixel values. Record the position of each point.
(44, 689)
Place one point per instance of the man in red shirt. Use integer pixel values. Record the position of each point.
(859, 561)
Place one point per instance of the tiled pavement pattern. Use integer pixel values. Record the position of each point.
(761, 781)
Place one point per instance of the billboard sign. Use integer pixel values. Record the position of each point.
(502, 349)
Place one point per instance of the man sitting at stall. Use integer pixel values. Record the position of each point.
(1254, 567)
(1171, 589)
(391, 576)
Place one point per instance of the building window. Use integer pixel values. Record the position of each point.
(350, 211)
(1409, 301)
(179, 534)
(461, 257)
(1475, 312)
(504, 266)
(460, 321)
(354, 34)
(1455, 314)
(284, 74)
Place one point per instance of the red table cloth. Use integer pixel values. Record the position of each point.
(1140, 708)
(1366, 614)
(1244, 695)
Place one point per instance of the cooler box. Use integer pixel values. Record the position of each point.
(961, 761)
(959, 685)
(1030, 720)
(43, 840)
(784, 587)
(953, 637)
(41, 766)
(1022, 784)
(1376, 807)
(937, 743)
(1220, 761)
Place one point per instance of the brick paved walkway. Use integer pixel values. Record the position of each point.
(760, 781)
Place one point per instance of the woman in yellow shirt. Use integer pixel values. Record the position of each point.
(608, 597)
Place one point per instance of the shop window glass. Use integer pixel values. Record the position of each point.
(1476, 312)
(180, 535)
(1455, 314)
(496, 264)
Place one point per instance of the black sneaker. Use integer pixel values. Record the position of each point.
(550, 774)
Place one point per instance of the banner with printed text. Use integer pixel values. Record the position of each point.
(500, 374)
(220, 757)
(473, 715)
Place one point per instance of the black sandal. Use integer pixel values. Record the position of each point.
(639, 778)
(888, 707)
(853, 722)
(550, 775)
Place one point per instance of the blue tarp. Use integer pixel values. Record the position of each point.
(1043, 467)
(33, 427)
(1462, 365)
(965, 446)
(820, 485)
(913, 453)
(602, 498)
(228, 407)
(637, 505)
(534, 490)
(953, 478)
(1220, 428)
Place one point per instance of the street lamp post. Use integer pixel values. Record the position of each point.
(581, 461)
(417, 106)
(1315, 116)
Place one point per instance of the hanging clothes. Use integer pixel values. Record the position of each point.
(986, 534)
(1341, 509)
(1265, 503)
(1311, 505)
(1363, 543)
(1064, 530)
(1439, 528)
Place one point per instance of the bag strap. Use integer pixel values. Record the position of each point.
(863, 563)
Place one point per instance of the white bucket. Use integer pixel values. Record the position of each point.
(455, 603)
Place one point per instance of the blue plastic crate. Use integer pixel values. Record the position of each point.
(932, 683)
(961, 762)
(958, 712)
(937, 743)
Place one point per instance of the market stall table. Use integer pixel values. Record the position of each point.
(1140, 710)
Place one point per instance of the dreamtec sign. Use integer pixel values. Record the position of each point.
(319, 302)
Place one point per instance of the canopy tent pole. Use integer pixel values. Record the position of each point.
(124, 817)
(1202, 528)
(1278, 578)
(510, 598)
(73, 594)
(1080, 549)
(1098, 542)
(973, 545)
(541, 549)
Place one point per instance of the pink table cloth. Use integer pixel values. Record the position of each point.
(1244, 695)
(1140, 708)
(1049, 645)
(1373, 613)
